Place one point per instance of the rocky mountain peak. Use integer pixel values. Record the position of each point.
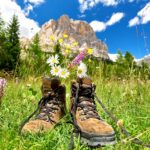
(78, 31)
(64, 21)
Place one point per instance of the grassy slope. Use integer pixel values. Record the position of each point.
(129, 101)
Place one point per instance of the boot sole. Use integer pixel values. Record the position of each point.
(98, 140)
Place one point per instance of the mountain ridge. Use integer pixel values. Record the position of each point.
(77, 30)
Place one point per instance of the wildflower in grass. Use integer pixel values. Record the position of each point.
(2, 82)
(55, 70)
(82, 70)
(65, 36)
(68, 46)
(60, 40)
(90, 51)
(52, 38)
(67, 51)
(89, 60)
(120, 123)
(28, 85)
(64, 73)
(2, 86)
(53, 60)
(75, 44)
(79, 58)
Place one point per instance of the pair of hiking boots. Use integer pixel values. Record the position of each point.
(52, 107)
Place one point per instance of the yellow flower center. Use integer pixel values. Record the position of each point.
(90, 51)
(68, 46)
(67, 51)
(63, 73)
(65, 36)
(56, 70)
(53, 61)
(52, 38)
(75, 43)
(60, 40)
(80, 71)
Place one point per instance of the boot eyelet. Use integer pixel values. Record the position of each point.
(83, 118)
(82, 113)
(79, 109)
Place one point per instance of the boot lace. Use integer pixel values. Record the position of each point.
(47, 106)
(85, 102)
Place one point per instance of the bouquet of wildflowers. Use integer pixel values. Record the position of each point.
(68, 50)
(56, 69)
(2, 86)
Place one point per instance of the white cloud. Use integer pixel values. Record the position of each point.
(87, 4)
(82, 16)
(28, 27)
(83, 6)
(143, 16)
(30, 4)
(145, 59)
(113, 57)
(116, 17)
(27, 9)
(134, 21)
(35, 2)
(99, 26)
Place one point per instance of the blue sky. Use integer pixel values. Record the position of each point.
(123, 24)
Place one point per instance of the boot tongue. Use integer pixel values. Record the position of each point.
(51, 83)
(85, 80)
(55, 83)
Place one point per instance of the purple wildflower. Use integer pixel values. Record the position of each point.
(79, 58)
(2, 86)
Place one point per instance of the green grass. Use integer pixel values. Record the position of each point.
(128, 100)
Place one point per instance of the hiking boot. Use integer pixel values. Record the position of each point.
(51, 107)
(93, 130)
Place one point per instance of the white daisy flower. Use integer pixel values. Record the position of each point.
(64, 73)
(53, 60)
(82, 70)
(55, 70)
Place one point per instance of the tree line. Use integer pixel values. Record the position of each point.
(9, 44)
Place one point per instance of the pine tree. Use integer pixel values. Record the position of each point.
(13, 46)
(35, 49)
(36, 56)
(3, 54)
(120, 59)
(120, 66)
(129, 59)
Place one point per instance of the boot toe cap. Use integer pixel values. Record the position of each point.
(96, 127)
(36, 126)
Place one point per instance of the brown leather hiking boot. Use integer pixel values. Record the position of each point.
(92, 129)
(51, 107)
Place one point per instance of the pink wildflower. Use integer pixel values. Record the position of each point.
(2, 86)
(79, 58)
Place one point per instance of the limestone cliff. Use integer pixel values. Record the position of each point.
(77, 30)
